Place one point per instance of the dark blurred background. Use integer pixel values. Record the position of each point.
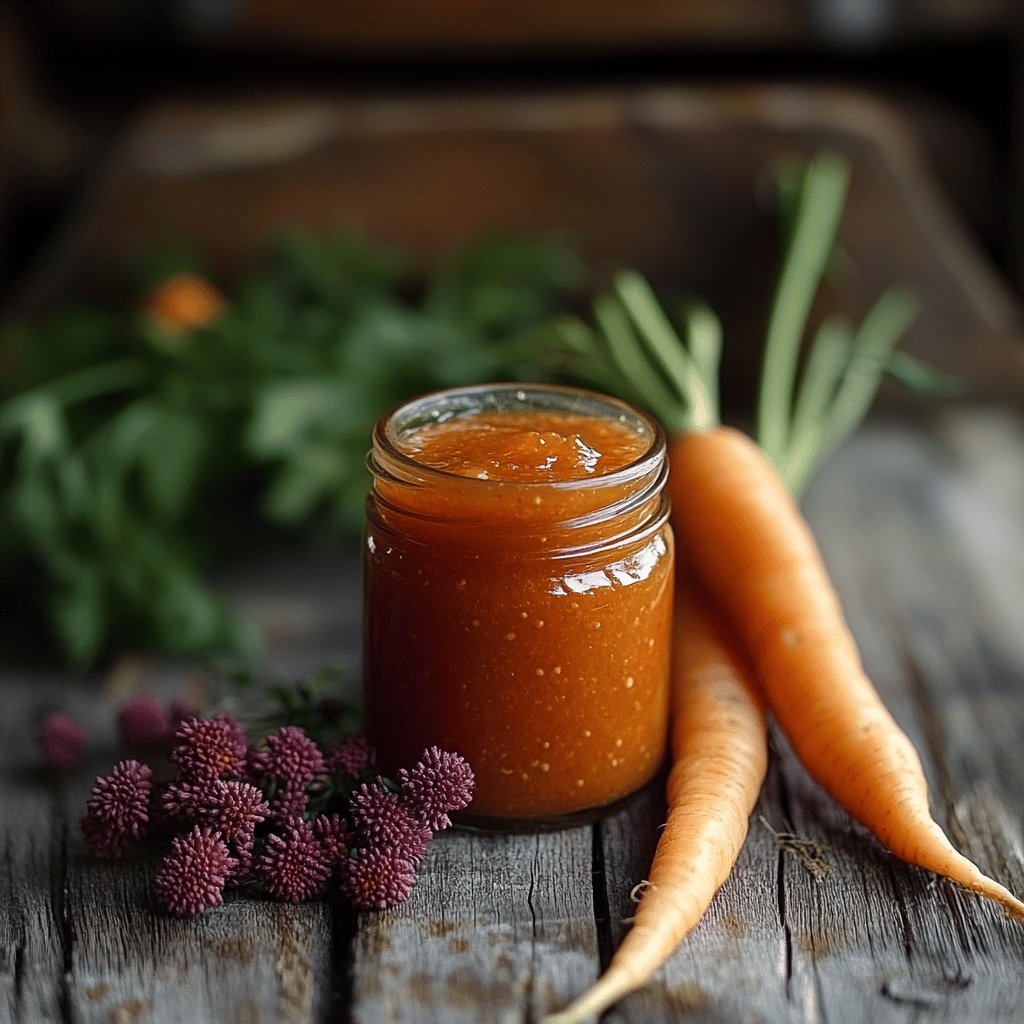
(73, 73)
(175, 423)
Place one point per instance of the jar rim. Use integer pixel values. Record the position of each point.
(471, 399)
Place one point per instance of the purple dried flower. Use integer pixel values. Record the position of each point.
(183, 799)
(376, 879)
(380, 819)
(193, 875)
(234, 809)
(143, 721)
(294, 866)
(61, 739)
(289, 803)
(290, 755)
(243, 851)
(332, 833)
(210, 748)
(439, 782)
(352, 756)
(118, 809)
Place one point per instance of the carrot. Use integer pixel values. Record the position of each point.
(720, 756)
(739, 528)
(749, 546)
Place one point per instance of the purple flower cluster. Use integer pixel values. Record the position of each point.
(352, 756)
(291, 760)
(143, 723)
(118, 809)
(193, 875)
(392, 826)
(279, 813)
(206, 749)
(377, 879)
(438, 783)
(295, 865)
(381, 819)
(62, 740)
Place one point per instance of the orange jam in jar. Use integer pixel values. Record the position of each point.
(518, 596)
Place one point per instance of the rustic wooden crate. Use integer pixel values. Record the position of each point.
(672, 180)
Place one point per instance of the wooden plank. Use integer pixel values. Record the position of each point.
(911, 522)
(86, 941)
(908, 583)
(247, 961)
(733, 965)
(33, 934)
(500, 925)
(307, 606)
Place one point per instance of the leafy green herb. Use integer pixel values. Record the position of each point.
(311, 702)
(132, 453)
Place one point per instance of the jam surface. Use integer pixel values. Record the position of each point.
(537, 651)
(533, 447)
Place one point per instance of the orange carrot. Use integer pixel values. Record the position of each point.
(739, 528)
(741, 531)
(720, 756)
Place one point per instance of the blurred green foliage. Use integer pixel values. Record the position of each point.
(131, 454)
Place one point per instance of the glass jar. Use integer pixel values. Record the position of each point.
(523, 624)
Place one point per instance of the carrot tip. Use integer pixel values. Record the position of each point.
(608, 989)
(1014, 907)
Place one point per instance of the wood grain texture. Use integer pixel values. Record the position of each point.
(33, 933)
(920, 526)
(499, 928)
(86, 943)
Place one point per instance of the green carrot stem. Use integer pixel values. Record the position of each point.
(820, 208)
(665, 346)
(704, 341)
(920, 378)
(826, 362)
(629, 356)
(879, 333)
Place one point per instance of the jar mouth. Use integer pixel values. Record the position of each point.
(388, 458)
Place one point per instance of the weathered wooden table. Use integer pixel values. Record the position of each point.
(921, 525)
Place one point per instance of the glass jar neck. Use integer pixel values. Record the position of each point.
(418, 499)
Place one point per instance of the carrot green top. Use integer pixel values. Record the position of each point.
(805, 408)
